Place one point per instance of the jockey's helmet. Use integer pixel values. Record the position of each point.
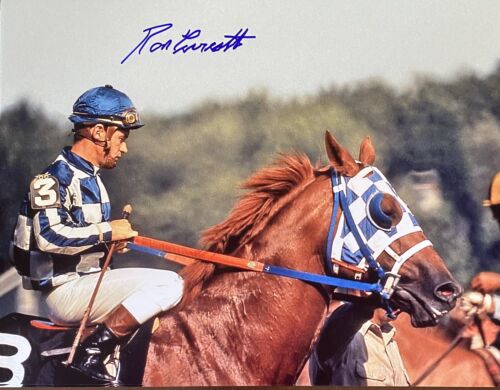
(494, 192)
(105, 105)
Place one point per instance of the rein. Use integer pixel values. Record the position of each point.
(164, 250)
(384, 286)
(436, 362)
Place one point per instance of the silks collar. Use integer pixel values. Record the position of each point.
(79, 162)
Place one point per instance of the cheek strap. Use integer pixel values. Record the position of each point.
(400, 259)
(103, 144)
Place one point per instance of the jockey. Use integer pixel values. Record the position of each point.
(64, 226)
(485, 285)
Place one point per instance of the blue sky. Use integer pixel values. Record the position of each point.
(53, 50)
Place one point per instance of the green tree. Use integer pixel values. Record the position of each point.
(30, 141)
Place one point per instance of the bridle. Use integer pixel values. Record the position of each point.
(351, 242)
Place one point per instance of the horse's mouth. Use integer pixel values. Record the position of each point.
(422, 314)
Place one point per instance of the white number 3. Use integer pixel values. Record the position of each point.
(44, 192)
(13, 363)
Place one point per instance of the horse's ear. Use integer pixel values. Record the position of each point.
(367, 151)
(340, 159)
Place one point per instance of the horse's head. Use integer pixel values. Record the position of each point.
(376, 229)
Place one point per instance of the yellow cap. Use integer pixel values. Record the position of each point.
(494, 192)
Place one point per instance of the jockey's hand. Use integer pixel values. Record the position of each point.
(121, 247)
(121, 230)
(486, 282)
(474, 303)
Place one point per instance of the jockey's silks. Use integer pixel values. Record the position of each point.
(60, 228)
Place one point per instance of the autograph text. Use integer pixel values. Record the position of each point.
(187, 42)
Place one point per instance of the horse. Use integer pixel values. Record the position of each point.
(235, 327)
(461, 367)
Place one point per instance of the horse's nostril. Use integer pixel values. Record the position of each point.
(448, 291)
(445, 293)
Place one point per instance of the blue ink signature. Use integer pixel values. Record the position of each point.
(186, 43)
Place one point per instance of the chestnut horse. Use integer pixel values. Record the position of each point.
(246, 328)
(461, 367)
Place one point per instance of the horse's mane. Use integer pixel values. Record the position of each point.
(270, 189)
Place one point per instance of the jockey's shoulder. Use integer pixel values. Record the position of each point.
(61, 170)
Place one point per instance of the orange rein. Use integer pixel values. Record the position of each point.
(181, 254)
(185, 255)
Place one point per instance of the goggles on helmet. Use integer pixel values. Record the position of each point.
(128, 119)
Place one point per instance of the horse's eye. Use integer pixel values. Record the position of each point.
(384, 211)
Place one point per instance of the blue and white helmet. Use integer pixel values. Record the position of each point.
(105, 105)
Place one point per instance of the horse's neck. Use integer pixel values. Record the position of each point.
(257, 333)
(291, 309)
(249, 328)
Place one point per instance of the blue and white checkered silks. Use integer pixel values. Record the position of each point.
(58, 242)
(358, 191)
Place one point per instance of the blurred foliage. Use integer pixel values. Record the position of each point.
(29, 142)
(182, 172)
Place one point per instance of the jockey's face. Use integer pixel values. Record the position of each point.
(117, 148)
(380, 317)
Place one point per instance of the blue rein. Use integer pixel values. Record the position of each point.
(339, 200)
(282, 271)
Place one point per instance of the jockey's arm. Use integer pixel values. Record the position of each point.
(55, 232)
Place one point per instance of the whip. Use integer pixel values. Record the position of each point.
(127, 209)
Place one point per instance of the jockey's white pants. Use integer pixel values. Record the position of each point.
(144, 292)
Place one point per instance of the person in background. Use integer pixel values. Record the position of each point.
(356, 347)
(484, 298)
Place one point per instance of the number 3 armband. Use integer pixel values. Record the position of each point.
(44, 192)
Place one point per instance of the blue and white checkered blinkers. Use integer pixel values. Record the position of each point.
(363, 194)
